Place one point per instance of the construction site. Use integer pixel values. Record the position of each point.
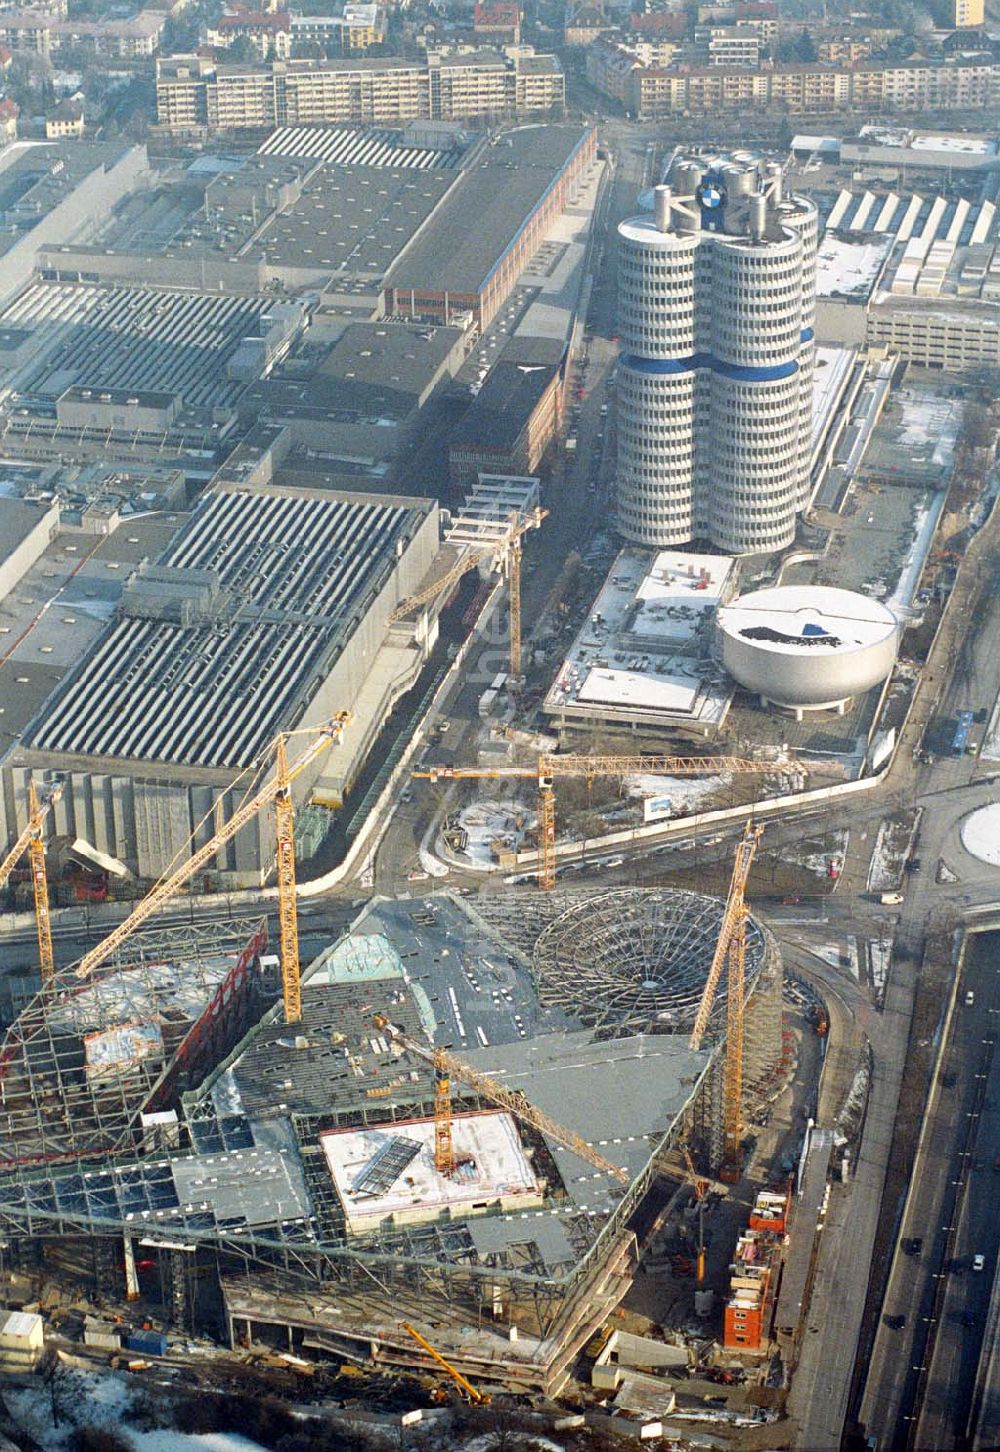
(465, 1118)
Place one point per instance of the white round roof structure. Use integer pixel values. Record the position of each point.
(981, 834)
(807, 646)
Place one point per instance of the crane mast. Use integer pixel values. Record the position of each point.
(284, 856)
(274, 790)
(32, 842)
(511, 1100)
(730, 953)
(504, 551)
(40, 886)
(37, 812)
(479, 1398)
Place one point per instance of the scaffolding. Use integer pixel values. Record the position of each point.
(83, 1061)
(636, 960)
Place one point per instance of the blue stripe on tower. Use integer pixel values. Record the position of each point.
(666, 367)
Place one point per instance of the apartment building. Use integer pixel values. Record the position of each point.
(805, 89)
(368, 92)
(728, 45)
(539, 86)
(843, 51)
(181, 92)
(26, 30)
(500, 20)
(135, 38)
(469, 85)
(269, 32)
(610, 67)
(915, 85)
(65, 122)
(966, 13)
(652, 89)
(192, 94)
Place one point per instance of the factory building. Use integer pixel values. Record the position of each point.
(130, 372)
(715, 376)
(915, 272)
(53, 194)
(642, 658)
(269, 610)
(515, 189)
(515, 416)
(26, 528)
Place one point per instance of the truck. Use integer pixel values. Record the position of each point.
(960, 741)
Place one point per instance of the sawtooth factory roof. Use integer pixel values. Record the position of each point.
(279, 581)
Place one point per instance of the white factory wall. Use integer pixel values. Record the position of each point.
(24, 555)
(75, 218)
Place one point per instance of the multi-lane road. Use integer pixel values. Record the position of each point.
(924, 1355)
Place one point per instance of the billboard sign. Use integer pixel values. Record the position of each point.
(655, 809)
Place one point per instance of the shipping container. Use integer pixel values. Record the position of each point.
(151, 1343)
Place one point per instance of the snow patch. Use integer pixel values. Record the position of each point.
(818, 862)
(95, 1400)
(431, 864)
(850, 1115)
(682, 791)
(838, 955)
(485, 829)
(879, 955)
(892, 847)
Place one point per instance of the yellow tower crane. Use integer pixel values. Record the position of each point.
(31, 841)
(446, 1067)
(730, 952)
(277, 790)
(589, 767)
(504, 553)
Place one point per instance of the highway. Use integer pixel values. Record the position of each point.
(947, 1219)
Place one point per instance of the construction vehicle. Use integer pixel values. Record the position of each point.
(504, 554)
(278, 791)
(700, 1186)
(730, 952)
(31, 841)
(446, 1067)
(478, 1398)
(588, 767)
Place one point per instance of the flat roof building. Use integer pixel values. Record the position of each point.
(514, 189)
(514, 417)
(642, 659)
(58, 192)
(193, 95)
(386, 1175)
